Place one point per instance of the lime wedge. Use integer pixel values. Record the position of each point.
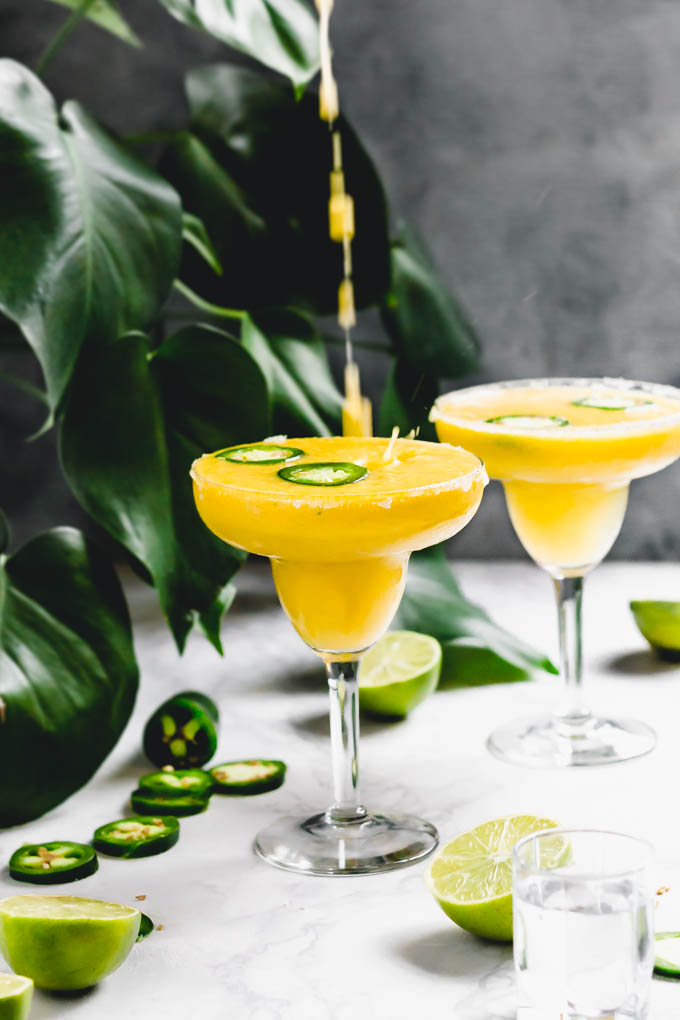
(15, 996)
(659, 622)
(471, 877)
(399, 672)
(66, 942)
(667, 960)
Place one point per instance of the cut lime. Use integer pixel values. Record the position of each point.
(15, 996)
(399, 672)
(66, 942)
(659, 622)
(471, 877)
(667, 960)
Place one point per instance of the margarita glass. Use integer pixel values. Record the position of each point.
(566, 451)
(338, 518)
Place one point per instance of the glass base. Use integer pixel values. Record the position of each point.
(323, 846)
(550, 742)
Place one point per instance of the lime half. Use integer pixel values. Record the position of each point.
(15, 996)
(471, 877)
(399, 672)
(66, 942)
(659, 622)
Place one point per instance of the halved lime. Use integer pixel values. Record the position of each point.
(659, 622)
(16, 994)
(398, 672)
(667, 959)
(471, 877)
(66, 942)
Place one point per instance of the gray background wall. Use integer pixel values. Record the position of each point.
(536, 146)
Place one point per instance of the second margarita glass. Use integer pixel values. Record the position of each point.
(566, 451)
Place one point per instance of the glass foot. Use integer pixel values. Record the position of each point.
(365, 846)
(549, 742)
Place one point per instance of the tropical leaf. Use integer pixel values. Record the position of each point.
(255, 169)
(427, 325)
(195, 234)
(292, 356)
(68, 674)
(131, 428)
(281, 34)
(105, 14)
(434, 604)
(91, 237)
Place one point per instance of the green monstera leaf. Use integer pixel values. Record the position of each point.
(476, 650)
(106, 15)
(90, 239)
(291, 354)
(255, 168)
(281, 34)
(133, 424)
(428, 327)
(68, 676)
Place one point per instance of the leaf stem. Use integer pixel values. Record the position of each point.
(58, 40)
(22, 384)
(207, 306)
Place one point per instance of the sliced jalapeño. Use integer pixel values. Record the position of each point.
(47, 863)
(146, 926)
(178, 782)
(244, 778)
(137, 836)
(259, 453)
(182, 732)
(326, 473)
(528, 421)
(146, 802)
(622, 403)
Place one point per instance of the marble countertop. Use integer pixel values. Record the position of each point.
(245, 941)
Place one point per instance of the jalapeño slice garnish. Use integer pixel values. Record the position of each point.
(138, 836)
(259, 453)
(324, 473)
(612, 404)
(244, 778)
(146, 926)
(145, 802)
(528, 421)
(177, 783)
(46, 863)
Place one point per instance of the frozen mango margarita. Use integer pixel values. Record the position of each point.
(566, 451)
(338, 518)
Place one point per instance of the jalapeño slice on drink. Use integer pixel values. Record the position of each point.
(324, 473)
(48, 863)
(178, 782)
(244, 778)
(617, 403)
(137, 836)
(528, 421)
(145, 802)
(259, 453)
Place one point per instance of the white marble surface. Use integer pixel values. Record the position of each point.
(244, 941)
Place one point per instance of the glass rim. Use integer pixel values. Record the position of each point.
(609, 382)
(464, 482)
(643, 844)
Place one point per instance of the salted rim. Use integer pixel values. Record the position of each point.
(460, 482)
(469, 393)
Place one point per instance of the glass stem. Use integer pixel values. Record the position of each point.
(569, 592)
(343, 689)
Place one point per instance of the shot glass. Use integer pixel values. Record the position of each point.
(583, 905)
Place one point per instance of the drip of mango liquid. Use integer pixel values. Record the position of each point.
(357, 417)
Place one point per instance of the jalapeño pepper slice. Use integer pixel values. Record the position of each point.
(259, 453)
(618, 403)
(244, 778)
(325, 473)
(146, 926)
(137, 836)
(528, 421)
(177, 782)
(47, 863)
(182, 732)
(145, 802)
